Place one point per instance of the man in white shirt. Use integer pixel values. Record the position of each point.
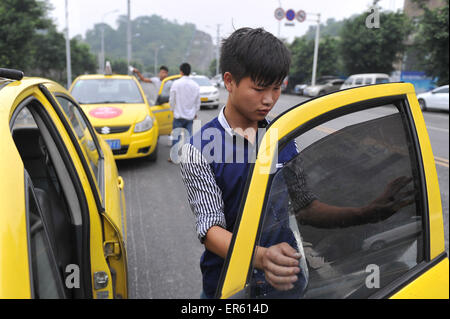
(163, 73)
(185, 102)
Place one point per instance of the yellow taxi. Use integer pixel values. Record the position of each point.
(119, 111)
(63, 216)
(353, 145)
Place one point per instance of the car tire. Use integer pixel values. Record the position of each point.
(423, 104)
(153, 156)
(322, 93)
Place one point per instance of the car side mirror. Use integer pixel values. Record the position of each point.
(162, 99)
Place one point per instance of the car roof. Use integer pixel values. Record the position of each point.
(103, 76)
(370, 74)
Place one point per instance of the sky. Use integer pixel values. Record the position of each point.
(207, 14)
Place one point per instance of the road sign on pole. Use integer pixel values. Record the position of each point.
(290, 15)
(279, 14)
(301, 16)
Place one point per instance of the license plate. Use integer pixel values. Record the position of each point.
(114, 144)
(204, 99)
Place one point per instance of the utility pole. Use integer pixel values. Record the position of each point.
(218, 49)
(129, 38)
(102, 53)
(156, 58)
(68, 59)
(316, 51)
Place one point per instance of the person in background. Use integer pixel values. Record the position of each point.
(156, 80)
(185, 102)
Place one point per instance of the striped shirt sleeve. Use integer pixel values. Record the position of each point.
(203, 193)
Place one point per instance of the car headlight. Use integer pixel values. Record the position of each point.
(144, 126)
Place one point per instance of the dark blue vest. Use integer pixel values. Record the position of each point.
(231, 178)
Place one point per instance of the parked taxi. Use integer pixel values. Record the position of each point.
(120, 113)
(63, 218)
(353, 144)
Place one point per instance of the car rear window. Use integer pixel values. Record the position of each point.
(104, 91)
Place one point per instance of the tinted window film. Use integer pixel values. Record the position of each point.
(363, 230)
(82, 132)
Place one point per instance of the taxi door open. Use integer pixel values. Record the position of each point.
(162, 110)
(108, 221)
(355, 147)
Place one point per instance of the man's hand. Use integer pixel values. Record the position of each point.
(135, 70)
(391, 200)
(281, 265)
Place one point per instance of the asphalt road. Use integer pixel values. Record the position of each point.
(163, 249)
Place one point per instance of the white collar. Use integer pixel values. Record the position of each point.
(223, 121)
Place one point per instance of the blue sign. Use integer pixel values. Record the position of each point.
(290, 15)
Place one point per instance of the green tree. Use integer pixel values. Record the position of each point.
(213, 67)
(373, 50)
(431, 43)
(20, 22)
(302, 50)
(83, 61)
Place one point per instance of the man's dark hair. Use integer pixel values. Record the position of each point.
(255, 53)
(165, 68)
(185, 68)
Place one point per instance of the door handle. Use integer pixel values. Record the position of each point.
(120, 182)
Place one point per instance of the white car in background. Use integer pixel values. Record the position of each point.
(209, 94)
(365, 79)
(435, 99)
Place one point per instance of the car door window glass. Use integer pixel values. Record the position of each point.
(443, 90)
(82, 133)
(368, 81)
(358, 81)
(381, 80)
(46, 281)
(363, 159)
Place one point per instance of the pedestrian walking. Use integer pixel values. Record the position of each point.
(185, 103)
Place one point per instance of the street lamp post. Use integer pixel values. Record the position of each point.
(129, 38)
(156, 57)
(218, 49)
(102, 54)
(316, 51)
(68, 58)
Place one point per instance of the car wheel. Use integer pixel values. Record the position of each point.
(153, 156)
(322, 93)
(423, 104)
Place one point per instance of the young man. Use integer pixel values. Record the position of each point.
(184, 101)
(253, 64)
(163, 73)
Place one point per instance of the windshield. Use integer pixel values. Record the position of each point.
(102, 91)
(202, 81)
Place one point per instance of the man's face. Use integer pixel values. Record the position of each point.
(250, 100)
(163, 74)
